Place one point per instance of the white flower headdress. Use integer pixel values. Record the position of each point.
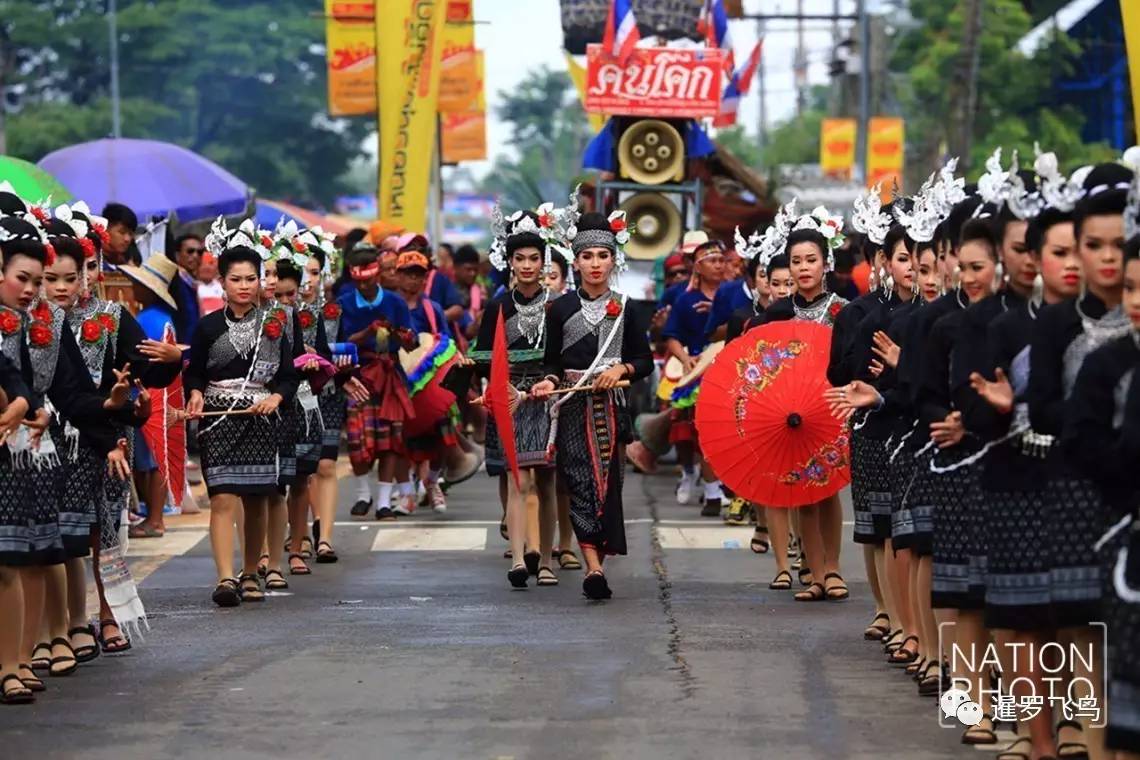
(826, 224)
(1057, 191)
(922, 217)
(868, 218)
(1132, 208)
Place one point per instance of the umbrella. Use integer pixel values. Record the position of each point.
(496, 397)
(763, 423)
(165, 432)
(32, 183)
(270, 212)
(152, 178)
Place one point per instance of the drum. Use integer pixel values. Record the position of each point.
(684, 394)
(670, 374)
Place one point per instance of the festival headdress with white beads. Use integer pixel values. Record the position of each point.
(775, 238)
(826, 224)
(920, 219)
(221, 238)
(1058, 191)
(747, 248)
(868, 218)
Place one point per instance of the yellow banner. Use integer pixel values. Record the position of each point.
(837, 147)
(407, 83)
(459, 80)
(1130, 11)
(350, 43)
(463, 136)
(886, 148)
(578, 75)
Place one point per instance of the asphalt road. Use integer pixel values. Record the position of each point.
(414, 646)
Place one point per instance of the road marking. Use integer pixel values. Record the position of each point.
(416, 539)
(172, 544)
(707, 537)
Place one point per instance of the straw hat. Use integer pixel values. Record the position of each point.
(155, 274)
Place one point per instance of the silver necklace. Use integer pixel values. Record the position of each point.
(594, 311)
(1108, 327)
(242, 333)
(815, 312)
(532, 317)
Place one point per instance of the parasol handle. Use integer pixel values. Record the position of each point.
(562, 391)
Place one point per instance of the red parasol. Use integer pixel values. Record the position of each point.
(497, 397)
(165, 432)
(763, 423)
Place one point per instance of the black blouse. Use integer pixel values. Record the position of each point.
(934, 401)
(742, 320)
(1101, 434)
(889, 316)
(842, 366)
(522, 354)
(569, 346)
(213, 328)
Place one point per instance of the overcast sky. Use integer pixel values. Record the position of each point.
(516, 42)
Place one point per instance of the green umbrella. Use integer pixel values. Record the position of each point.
(31, 182)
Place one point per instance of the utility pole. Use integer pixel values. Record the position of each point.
(964, 86)
(864, 89)
(800, 65)
(113, 28)
(763, 133)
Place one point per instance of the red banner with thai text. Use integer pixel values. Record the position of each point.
(669, 82)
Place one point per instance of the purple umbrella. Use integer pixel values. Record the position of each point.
(153, 178)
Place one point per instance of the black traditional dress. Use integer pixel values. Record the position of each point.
(1064, 335)
(236, 363)
(585, 338)
(1101, 440)
(1012, 481)
(332, 400)
(524, 323)
(309, 419)
(40, 521)
(742, 320)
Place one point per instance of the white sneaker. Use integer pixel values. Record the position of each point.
(438, 500)
(684, 490)
(405, 505)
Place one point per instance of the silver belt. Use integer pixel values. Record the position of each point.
(228, 393)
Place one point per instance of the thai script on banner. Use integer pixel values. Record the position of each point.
(350, 43)
(408, 32)
(655, 82)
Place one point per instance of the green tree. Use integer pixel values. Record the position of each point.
(1011, 90)
(241, 83)
(549, 133)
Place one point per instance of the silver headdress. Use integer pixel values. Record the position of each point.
(747, 248)
(775, 238)
(993, 185)
(868, 218)
(923, 216)
(1022, 203)
(831, 227)
(1057, 191)
(1132, 208)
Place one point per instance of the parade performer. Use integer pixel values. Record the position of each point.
(240, 373)
(593, 343)
(110, 341)
(522, 243)
(33, 551)
(378, 322)
(684, 336)
(809, 242)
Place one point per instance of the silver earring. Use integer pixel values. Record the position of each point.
(1038, 289)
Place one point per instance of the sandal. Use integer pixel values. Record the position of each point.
(568, 560)
(793, 547)
(263, 565)
(306, 548)
(813, 593)
(930, 685)
(1076, 750)
(31, 680)
(275, 581)
(250, 588)
(41, 661)
(18, 695)
(546, 577)
(68, 661)
(144, 531)
(595, 587)
(531, 559)
(325, 553)
(517, 575)
(118, 642)
(301, 569)
(877, 632)
(1013, 753)
(782, 581)
(759, 543)
(84, 652)
(902, 655)
(977, 736)
(838, 592)
(226, 594)
(503, 531)
(913, 668)
(804, 574)
(892, 642)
